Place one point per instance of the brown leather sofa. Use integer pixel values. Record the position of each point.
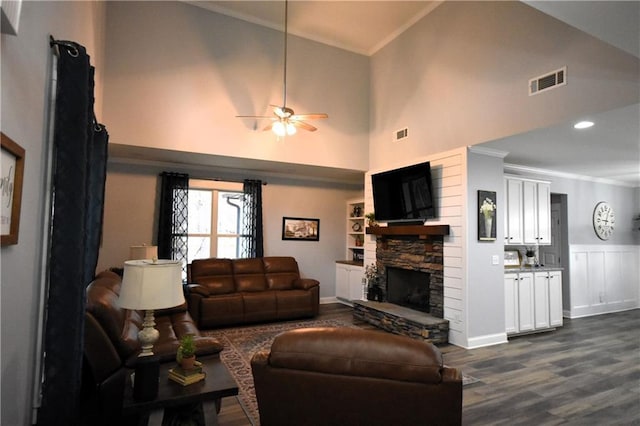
(111, 346)
(345, 376)
(236, 291)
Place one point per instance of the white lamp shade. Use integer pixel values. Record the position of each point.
(151, 285)
(143, 252)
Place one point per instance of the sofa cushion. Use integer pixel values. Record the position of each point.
(215, 274)
(249, 275)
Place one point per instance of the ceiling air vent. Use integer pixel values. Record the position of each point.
(398, 135)
(548, 81)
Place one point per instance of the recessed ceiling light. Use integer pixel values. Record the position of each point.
(583, 125)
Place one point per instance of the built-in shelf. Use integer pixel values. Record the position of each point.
(409, 230)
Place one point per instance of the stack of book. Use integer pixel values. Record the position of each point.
(187, 377)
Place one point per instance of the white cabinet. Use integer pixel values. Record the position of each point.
(349, 285)
(528, 211)
(541, 299)
(511, 303)
(536, 203)
(533, 301)
(519, 314)
(513, 216)
(555, 299)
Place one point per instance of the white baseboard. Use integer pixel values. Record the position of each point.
(332, 299)
(488, 340)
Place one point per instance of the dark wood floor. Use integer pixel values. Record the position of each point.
(585, 373)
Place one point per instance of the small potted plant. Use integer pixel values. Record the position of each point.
(186, 355)
(530, 253)
(371, 219)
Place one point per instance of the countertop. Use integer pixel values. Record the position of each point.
(532, 269)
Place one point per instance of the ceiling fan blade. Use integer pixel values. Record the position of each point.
(310, 116)
(253, 116)
(268, 126)
(303, 125)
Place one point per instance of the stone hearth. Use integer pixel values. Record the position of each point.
(404, 321)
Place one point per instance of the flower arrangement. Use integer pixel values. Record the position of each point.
(373, 276)
(488, 207)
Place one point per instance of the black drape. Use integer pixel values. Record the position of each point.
(252, 237)
(173, 217)
(79, 172)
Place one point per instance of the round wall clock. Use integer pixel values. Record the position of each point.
(604, 220)
(356, 227)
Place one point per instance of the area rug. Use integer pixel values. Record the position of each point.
(240, 343)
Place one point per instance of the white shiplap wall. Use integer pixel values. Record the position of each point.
(448, 172)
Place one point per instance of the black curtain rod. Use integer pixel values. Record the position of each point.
(223, 180)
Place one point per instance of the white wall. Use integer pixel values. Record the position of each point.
(459, 77)
(178, 75)
(26, 61)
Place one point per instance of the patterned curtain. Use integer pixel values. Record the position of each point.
(79, 173)
(173, 218)
(251, 242)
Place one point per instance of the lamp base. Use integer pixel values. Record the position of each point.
(147, 378)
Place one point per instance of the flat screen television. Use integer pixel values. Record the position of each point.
(403, 195)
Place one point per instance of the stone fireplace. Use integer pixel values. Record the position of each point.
(410, 258)
(401, 256)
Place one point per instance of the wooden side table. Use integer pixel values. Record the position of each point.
(218, 384)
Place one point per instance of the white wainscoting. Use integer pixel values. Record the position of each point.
(604, 278)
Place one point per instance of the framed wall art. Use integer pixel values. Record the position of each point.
(300, 229)
(487, 216)
(11, 175)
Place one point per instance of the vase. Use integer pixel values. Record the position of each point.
(488, 222)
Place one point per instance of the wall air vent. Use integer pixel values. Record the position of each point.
(401, 134)
(548, 81)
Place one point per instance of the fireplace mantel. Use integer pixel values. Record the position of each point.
(421, 231)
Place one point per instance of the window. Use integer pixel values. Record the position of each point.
(214, 219)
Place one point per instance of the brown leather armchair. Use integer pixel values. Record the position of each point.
(111, 346)
(345, 376)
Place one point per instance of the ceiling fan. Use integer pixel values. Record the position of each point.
(285, 121)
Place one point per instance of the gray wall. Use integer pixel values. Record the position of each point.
(582, 197)
(485, 280)
(131, 218)
(26, 61)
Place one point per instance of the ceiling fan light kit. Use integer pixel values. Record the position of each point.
(286, 121)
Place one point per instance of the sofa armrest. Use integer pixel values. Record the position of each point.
(451, 374)
(197, 289)
(305, 283)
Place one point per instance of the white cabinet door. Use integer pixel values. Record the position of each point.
(525, 302)
(541, 299)
(511, 303)
(544, 213)
(536, 208)
(356, 287)
(529, 212)
(513, 217)
(342, 281)
(555, 299)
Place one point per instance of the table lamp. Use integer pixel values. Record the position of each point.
(147, 285)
